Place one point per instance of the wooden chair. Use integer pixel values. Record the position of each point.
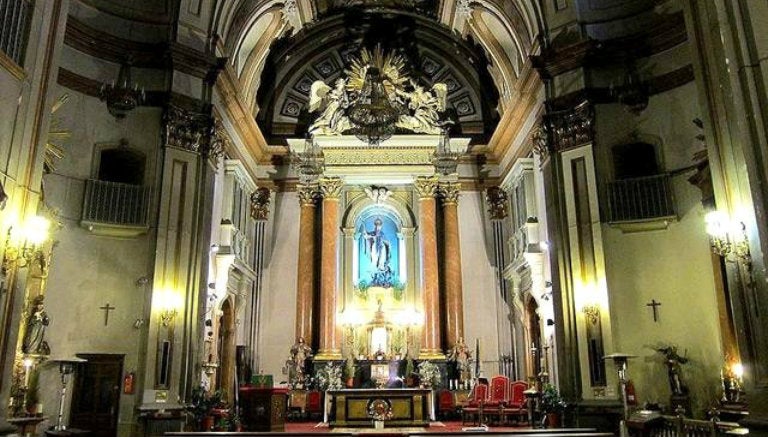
(445, 403)
(314, 403)
(497, 397)
(475, 404)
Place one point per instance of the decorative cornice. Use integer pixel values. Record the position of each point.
(220, 141)
(497, 203)
(368, 156)
(426, 187)
(103, 45)
(260, 200)
(331, 188)
(563, 130)
(666, 33)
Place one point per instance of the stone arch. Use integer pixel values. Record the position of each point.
(394, 203)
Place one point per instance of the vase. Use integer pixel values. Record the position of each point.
(207, 423)
(378, 424)
(553, 420)
(350, 382)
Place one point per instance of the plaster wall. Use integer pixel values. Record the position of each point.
(88, 271)
(479, 283)
(278, 305)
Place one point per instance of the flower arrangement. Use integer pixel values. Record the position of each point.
(329, 377)
(380, 409)
(429, 374)
(551, 401)
(202, 402)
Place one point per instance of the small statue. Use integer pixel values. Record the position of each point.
(673, 362)
(34, 342)
(461, 355)
(299, 354)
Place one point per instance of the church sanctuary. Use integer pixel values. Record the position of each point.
(403, 217)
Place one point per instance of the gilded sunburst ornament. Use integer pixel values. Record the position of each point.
(391, 67)
(53, 149)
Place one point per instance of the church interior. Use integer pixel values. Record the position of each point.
(370, 213)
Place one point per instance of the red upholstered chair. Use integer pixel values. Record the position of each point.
(314, 403)
(516, 405)
(475, 404)
(497, 397)
(445, 404)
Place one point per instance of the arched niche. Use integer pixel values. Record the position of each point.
(359, 254)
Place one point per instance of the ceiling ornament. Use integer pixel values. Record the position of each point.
(375, 99)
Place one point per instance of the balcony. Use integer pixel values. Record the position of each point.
(115, 209)
(644, 203)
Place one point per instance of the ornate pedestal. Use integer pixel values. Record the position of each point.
(408, 406)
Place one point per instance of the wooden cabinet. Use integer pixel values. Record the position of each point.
(263, 409)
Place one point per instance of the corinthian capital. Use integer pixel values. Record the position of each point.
(426, 186)
(308, 194)
(450, 192)
(331, 187)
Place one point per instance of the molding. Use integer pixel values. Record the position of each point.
(12, 67)
(668, 32)
(111, 48)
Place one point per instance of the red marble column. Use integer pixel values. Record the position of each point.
(454, 299)
(426, 188)
(305, 277)
(330, 345)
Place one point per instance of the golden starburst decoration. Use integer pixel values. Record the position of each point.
(391, 67)
(53, 150)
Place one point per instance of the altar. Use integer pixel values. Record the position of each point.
(405, 406)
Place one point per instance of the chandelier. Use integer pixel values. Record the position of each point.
(633, 93)
(309, 163)
(444, 159)
(122, 96)
(373, 113)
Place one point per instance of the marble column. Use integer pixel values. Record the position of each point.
(454, 300)
(330, 345)
(305, 277)
(426, 187)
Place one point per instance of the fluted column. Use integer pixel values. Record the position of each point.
(426, 188)
(305, 278)
(454, 300)
(330, 346)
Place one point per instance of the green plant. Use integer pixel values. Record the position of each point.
(551, 401)
(429, 374)
(202, 402)
(409, 367)
(361, 289)
(349, 367)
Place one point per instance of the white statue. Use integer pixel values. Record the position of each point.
(333, 101)
(425, 106)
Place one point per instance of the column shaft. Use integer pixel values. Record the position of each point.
(454, 300)
(330, 346)
(305, 278)
(430, 344)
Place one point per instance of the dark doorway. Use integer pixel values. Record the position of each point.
(122, 165)
(96, 396)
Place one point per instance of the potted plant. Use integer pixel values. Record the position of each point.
(409, 370)
(201, 407)
(349, 371)
(429, 374)
(552, 406)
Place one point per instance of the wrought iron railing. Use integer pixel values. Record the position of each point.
(15, 17)
(639, 199)
(115, 203)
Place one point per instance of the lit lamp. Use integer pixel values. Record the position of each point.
(167, 303)
(23, 243)
(727, 236)
(66, 368)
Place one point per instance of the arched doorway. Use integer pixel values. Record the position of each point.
(226, 375)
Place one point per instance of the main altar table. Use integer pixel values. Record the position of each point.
(409, 406)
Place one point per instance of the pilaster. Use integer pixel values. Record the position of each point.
(454, 299)
(426, 188)
(330, 346)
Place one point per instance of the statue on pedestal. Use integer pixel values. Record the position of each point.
(461, 355)
(34, 337)
(673, 362)
(299, 354)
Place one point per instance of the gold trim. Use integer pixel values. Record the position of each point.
(12, 67)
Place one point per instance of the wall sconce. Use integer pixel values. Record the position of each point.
(591, 312)
(122, 96)
(23, 244)
(728, 237)
(167, 303)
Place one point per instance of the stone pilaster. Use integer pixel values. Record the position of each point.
(426, 187)
(305, 276)
(454, 298)
(330, 345)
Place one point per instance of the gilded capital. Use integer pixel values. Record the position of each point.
(426, 186)
(450, 192)
(497, 203)
(260, 200)
(331, 187)
(307, 194)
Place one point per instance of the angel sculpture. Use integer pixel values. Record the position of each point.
(333, 102)
(426, 106)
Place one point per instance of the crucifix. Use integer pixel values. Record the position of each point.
(106, 309)
(655, 306)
